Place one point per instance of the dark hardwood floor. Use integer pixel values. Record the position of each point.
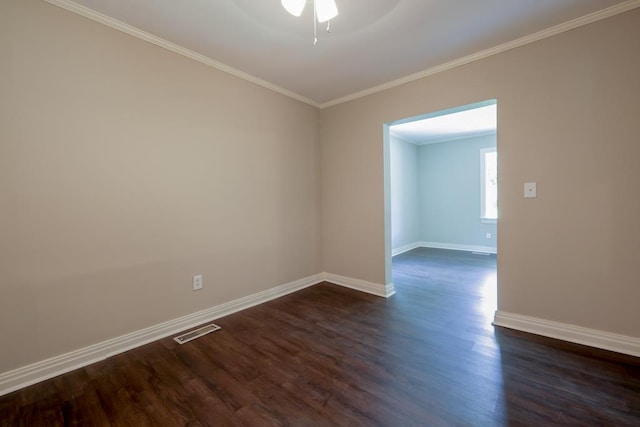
(327, 355)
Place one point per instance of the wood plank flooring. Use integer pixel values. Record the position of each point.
(327, 355)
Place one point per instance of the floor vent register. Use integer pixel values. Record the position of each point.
(197, 333)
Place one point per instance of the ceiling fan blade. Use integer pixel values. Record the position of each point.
(294, 7)
(326, 9)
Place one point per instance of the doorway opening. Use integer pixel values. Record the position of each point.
(441, 198)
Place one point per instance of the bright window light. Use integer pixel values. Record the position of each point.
(489, 184)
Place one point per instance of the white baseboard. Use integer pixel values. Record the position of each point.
(49, 368)
(459, 247)
(377, 289)
(405, 248)
(440, 245)
(52, 367)
(576, 334)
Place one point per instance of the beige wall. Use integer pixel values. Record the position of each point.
(569, 119)
(124, 170)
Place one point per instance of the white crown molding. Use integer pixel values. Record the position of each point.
(133, 31)
(445, 139)
(402, 138)
(522, 41)
(377, 289)
(576, 334)
(49, 368)
(148, 37)
(459, 138)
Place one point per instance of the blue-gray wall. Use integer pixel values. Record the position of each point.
(405, 206)
(449, 192)
(435, 194)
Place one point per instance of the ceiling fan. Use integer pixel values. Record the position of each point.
(323, 11)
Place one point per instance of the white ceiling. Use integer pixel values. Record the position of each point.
(453, 126)
(372, 42)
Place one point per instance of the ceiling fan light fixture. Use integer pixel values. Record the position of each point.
(294, 7)
(325, 10)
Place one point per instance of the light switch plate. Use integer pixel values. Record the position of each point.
(530, 190)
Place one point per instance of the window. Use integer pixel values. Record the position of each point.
(488, 185)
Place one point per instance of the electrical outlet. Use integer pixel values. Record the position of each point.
(488, 235)
(197, 282)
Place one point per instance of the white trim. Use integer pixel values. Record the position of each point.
(549, 32)
(49, 368)
(377, 289)
(459, 247)
(440, 245)
(522, 41)
(58, 365)
(405, 248)
(566, 332)
(148, 37)
(488, 220)
(474, 135)
(401, 138)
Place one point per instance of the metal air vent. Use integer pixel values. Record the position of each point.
(197, 333)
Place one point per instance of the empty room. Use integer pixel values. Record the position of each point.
(197, 214)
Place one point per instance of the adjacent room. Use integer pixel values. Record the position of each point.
(168, 166)
(444, 208)
(444, 180)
